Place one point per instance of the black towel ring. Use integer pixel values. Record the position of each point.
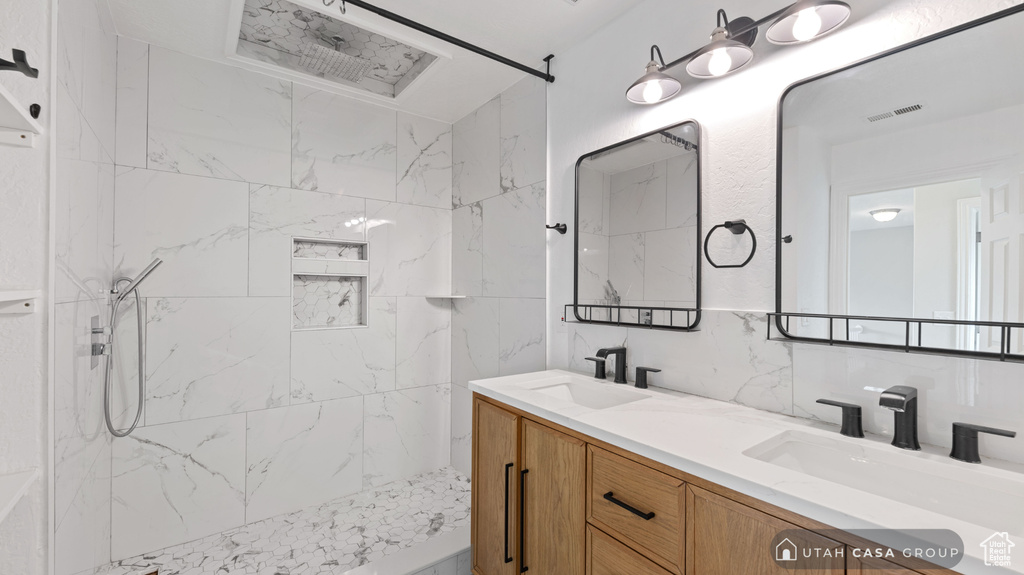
(737, 227)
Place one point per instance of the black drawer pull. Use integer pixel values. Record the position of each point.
(630, 508)
(508, 558)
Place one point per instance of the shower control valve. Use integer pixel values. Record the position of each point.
(100, 349)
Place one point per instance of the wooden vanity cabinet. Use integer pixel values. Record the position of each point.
(547, 487)
(528, 500)
(725, 537)
(495, 495)
(875, 566)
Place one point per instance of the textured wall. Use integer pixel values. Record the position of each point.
(24, 193)
(729, 358)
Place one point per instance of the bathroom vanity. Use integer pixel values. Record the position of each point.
(573, 476)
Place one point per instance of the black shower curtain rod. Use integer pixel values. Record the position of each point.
(453, 40)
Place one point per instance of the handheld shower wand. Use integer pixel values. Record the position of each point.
(135, 282)
(119, 296)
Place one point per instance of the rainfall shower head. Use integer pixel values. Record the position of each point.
(333, 62)
(138, 279)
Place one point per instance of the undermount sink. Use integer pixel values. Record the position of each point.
(590, 394)
(988, 497)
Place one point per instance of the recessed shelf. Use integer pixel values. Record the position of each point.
(14, 486)
(19, 301)
(17, 127)
(328, 301)
(321, 249)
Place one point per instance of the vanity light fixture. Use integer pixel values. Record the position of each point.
(807, 20)
(727, 52)
(885, 214)
(654, 86)
(730, 46)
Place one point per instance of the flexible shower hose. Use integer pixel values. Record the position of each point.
(110, 363)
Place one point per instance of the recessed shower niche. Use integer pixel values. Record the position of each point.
(329, 283)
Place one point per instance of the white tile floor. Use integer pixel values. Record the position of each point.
(331, 538)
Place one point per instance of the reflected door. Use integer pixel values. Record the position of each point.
(1002, 233)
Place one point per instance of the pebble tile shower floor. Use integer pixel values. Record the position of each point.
(332, 538)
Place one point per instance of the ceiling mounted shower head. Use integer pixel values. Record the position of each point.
(333, 62)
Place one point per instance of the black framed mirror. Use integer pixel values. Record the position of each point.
(900, 199)
(638, 231)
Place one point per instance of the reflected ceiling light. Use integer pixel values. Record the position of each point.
(885, 214)
(730, 47)
(807, 20)
(654, 86)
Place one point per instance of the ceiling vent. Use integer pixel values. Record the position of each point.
(894, 113)
(907, 110)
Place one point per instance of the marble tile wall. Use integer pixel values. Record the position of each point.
(214, 170)
(87, 57)
(730, 359)
(498, 247)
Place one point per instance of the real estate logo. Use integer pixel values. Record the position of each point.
(798, 549)
(997, 549)
(785, 551)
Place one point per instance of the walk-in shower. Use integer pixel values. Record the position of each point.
(107, 348)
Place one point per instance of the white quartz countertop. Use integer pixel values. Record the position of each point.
(708, 438)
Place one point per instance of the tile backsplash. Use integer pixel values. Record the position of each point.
(731, 359)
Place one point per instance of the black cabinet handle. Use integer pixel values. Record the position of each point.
(522, 521)
(508, 558)
(628, 507)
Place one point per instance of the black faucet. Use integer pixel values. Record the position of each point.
(641, 376)
(620, 361)
(965, 440)
(851, 417)
(599, 372)
(902, 399)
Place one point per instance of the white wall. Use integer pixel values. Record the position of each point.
(807, 196)
(730, 359)
(24, 194)
(83, 236)
(936, 247)
(882, 253)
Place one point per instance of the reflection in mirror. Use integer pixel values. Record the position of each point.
(638, 230)
(901, 188)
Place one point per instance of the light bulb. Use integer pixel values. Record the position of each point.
(807, 25)
(653, 92)
(720, 62)
(885, 214)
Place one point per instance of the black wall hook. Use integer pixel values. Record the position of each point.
(560, 228)
(737, 227)
(19, 64)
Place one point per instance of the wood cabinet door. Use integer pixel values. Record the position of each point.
(873, 566)
(554, 517)
(726, 538)
(495, 496)
(607, 556)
